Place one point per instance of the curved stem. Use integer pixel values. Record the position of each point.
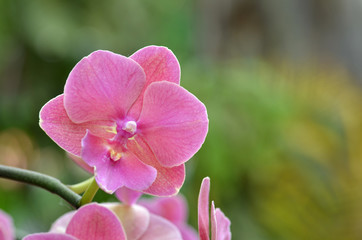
(89, 193)
(46, 182)
(82, 186)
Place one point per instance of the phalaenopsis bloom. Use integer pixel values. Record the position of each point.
(157, 218)
(129, 120)
(109, 221)
(174, 209)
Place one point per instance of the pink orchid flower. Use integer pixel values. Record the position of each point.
(175, 210)
(220, 224)
(109, 221)
(129, 119)
(6, 227)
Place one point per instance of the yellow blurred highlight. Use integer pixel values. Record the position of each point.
(17, 150)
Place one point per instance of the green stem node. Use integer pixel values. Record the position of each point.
(90, 192)
(82, 186)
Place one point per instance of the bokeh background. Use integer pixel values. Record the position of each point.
(281, 81)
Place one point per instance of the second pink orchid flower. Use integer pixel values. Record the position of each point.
(175, 210)
(109, 221)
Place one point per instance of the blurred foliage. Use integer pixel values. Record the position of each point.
(284, 145)
(283, 151)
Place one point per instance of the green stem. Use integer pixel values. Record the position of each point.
(46, 182)
(81, 187)
(89, 193)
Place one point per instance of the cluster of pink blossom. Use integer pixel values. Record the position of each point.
(129, 122)
(157, 218)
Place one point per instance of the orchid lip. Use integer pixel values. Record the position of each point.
(118, 143)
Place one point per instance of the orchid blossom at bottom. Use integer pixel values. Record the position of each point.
(109, 221)
(157, 218)
(6, 227)
(175, 209)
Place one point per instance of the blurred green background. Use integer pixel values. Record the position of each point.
(281, 81)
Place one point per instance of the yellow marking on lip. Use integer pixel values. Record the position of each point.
(115, 156)
(111, 129)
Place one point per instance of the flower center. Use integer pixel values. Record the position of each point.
(130, 127)
(118, 144)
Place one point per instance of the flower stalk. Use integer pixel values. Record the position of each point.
(46, 182)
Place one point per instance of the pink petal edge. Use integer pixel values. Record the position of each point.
(6, 226)
(188, 232)
(102, 86)
(128, 196)
(203, 209)
(111, 175)
(80, 162)
(173, 122)
(220, 224)
(60, 225)
(55, 122)
(161, 229)
(95, 222)
(214, 223)
(50, 236)
(135, 219)
(168, 181)
(172, 208)
(159, 64)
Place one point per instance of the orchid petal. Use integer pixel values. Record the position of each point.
(168, 181)
(6, 226)
(188, 233)
(161, 229)
(95, 222)
(135, 219)
(213, 221)
(128, 196)
(159, 64)
(102, 86)
(60, 225)
(50, 236)
(203, 209)
(80, 162)
(55, 121)
(110, 175)
(173, 208)
(173, 122)
(220, 224)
